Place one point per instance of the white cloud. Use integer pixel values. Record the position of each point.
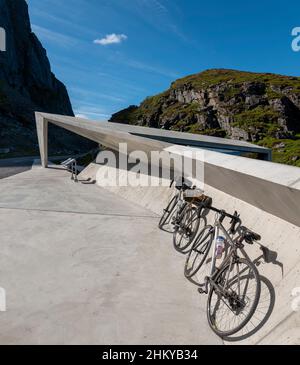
(111, 39)
(90, 111)
(82, 116)
(87, 114)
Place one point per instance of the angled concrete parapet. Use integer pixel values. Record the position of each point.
(111, 134)
(42, 132)
(272, 187)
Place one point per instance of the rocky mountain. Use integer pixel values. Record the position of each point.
(256, 107)
(27, 85)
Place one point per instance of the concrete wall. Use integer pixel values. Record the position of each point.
(280, 324)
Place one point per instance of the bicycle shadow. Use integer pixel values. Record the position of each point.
(261, 315)
(88, 181)
(169, 227)
(267, 299)
(269, 257)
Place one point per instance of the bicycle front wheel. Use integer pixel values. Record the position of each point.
(199, 252)
(186, 229)
(233, 297)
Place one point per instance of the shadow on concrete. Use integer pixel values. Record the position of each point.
(262, 314)
(169, 227)
(270, 257)
(53, 167)
(267, 297)
(88, 181)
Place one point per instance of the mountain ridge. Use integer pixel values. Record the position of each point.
(262, 108)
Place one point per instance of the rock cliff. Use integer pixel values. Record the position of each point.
(27, 85)
(256, 107)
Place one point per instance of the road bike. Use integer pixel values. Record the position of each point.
(183, 215)
(188, 220)
(176, 204)
(233, 286)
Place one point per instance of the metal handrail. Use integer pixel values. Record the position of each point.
(71, 165)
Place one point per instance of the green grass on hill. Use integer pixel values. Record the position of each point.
(288, 153)
(217, 76)
(262, 118)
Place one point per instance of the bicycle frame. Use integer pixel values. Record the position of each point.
(218, 227)
(180, 207)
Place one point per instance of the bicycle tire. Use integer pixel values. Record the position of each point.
(205, 238)
(190, 215)
(211, 321)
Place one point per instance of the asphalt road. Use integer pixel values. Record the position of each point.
(17, 165)
(14, 166)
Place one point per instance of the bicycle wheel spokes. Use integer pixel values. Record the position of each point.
(187, 229)
(199, 252)
(233, 297)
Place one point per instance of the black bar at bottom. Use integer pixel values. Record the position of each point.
(135, 354)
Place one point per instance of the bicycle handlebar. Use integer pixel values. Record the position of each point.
(182, 183)
(234, 218)
(234, 221)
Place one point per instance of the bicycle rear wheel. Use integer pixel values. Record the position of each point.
(186, 229)
(199, 252)
(233, 297)
(164, 220)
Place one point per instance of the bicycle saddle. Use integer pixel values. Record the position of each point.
(249, 235)
(183, 184)
(197, 197)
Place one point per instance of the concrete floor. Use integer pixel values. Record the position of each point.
(82, 266)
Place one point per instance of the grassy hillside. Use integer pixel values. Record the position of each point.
(258, 107)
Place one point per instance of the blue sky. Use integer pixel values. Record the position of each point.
(113, 53)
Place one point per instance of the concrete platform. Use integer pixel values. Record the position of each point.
(276, 319)
(82, 267)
